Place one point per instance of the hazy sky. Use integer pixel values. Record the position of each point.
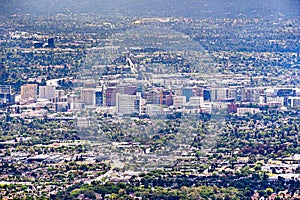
(153, 8)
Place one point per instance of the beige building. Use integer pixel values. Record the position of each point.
(29, 92)
(87, 96)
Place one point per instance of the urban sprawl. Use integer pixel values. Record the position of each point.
(149, 108)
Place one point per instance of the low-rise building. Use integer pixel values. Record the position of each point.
(245, 111)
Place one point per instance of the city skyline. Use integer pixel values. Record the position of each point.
(150, 99)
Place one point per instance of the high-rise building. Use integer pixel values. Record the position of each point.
(262, 99)
(232, 108)
(87, 96)
(153, 97)
(132, 90)
(59, 93)
(293, 102)
(6, 96)
(223, 94)
(47, 92)
(29, 92)
(252, 94)
(218, 94)
(206, 95)
(128, 104)
(99, 98)
(110, 96)
(51, 42)
(188, 93)
(168, 98)
(89, 83)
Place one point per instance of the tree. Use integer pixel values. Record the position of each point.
(194, 195)
(90, 194)
(269, 191)
(122, 192)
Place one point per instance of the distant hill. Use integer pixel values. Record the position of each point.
(157, 8)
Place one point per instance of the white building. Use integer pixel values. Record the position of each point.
(245, 111)
(128, 104)
(275, 101)
(46, 92)
(217, 94)
(156, 110)
(206, 108)
(196, 101)
(59, 93)
(179, 101)
(294, 101)
(262, 99)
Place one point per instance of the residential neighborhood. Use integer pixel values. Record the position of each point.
(149, 107)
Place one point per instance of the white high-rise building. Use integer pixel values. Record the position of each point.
(128, 104)
(46, 92)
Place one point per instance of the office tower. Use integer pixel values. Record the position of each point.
(128, 104)
(217, 94)
(111, 93)
(87, 96)
(89, 83)
(153, 97)
(47, 92)
(188, 93)
(293, 102)
(132, 90)
(29, 92)
(253, 94)
(232, 108)
(99, 98)
(6, 96)
(168, 98)
(51, 42)
(223, 94)
(206, 95)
